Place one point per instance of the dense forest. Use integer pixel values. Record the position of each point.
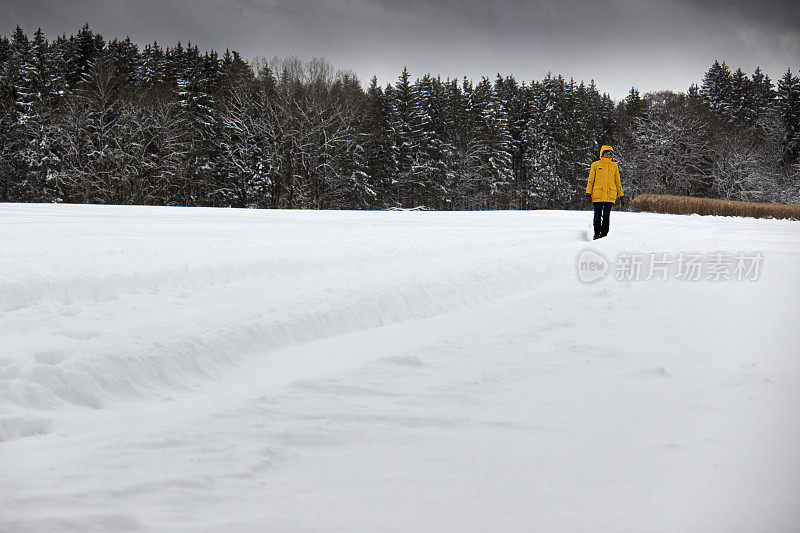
(87, 120)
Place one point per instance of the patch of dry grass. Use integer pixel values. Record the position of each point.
(686, 205)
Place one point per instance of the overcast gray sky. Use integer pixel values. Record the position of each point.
(652, 45)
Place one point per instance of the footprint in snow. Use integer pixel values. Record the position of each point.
(403, 360)
(79, 334)
(51, 357)
(652, 372)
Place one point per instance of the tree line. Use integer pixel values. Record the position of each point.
(86, 120)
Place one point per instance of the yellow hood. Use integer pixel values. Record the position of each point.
(604, 148)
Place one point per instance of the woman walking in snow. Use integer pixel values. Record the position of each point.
(602, 190)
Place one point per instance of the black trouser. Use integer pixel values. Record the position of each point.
(602, 218)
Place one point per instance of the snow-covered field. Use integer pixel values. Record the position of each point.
(179, 369)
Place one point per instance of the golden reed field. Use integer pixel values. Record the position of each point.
(686, 205)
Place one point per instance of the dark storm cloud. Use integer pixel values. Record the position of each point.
(618, 43)
(781, 15)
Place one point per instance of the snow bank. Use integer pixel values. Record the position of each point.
(141, 301)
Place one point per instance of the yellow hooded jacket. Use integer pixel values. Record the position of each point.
(604, 182)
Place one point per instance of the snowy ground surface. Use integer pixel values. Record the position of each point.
(177, 369)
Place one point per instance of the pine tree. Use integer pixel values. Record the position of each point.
(513, 98)
(634, 105)
(152, 66)
(350, 185)
(716, 88)
(763, 94)
(5, 50)
(462, 159)
(243, 148)
(379, 152)
(788, 107)
(126, 59)
(9, 182)
(408, 127)
(19, 58)
(544, 153)
(84, 49)
(428, 170)
(740, 104)
(39, 92)
(17, 68)
(493, 140)
(192, 83)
